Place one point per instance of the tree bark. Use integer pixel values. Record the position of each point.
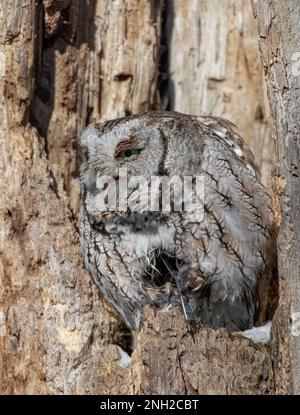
(57, 336)
(279, 40)
(210, 362)
(64, 64)
(215, 69)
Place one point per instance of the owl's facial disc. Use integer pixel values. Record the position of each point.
(132, 151)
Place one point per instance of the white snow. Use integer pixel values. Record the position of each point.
(258, 334)
(125, 359)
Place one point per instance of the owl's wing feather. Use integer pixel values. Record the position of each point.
(230, 244)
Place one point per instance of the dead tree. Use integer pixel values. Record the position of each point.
(63, 65)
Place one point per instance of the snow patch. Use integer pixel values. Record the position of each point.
(125, 359)
(258, 334)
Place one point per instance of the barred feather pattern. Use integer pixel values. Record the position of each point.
(210, 268)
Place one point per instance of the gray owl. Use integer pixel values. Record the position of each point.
(210, 267)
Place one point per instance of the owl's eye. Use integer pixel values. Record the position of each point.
(128, 153)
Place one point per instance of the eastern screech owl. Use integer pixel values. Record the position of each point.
(210, 267)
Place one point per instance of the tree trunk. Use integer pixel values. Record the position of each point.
(215, 68)
(57, 336)
(279, 40)
(64, 64)
(211, 362)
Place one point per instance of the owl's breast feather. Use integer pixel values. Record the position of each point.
(140, 244)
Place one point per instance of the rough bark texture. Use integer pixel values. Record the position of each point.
(214, 362)
(215, 68)
(56, 334)
(54, 328)
(62, 65)
(95, 60)
(278, 25)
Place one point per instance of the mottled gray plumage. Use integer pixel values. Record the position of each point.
(138, 258)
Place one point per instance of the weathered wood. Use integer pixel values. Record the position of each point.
(215, 68)
(56, 335)
(279, 40)
(96, 60)
(62, 65)
(168, 360)
(54, 329)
